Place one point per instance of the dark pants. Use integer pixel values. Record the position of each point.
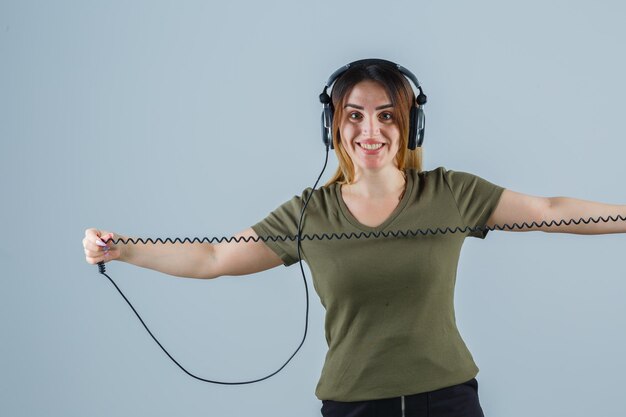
(456, 401)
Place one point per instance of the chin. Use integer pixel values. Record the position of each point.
(374, 166)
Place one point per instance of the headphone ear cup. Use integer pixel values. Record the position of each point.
(324, 131)
(331, 117)
(421, 125)
(327, 126)
(413, 121)
(330, 128)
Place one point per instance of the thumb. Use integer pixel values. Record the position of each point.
(107, 237)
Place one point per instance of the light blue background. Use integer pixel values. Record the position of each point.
(168, 119)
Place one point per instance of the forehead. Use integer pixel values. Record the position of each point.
(368, 92)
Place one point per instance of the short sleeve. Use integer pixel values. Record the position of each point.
(475, 197)
(282, 223)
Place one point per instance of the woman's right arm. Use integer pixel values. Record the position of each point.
(188, 260)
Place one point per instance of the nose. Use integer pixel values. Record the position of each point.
(371, 126)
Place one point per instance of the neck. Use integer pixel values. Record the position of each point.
(378, 184)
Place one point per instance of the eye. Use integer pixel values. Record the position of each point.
(354, 115)
(386, 116)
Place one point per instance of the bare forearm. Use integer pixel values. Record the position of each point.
(188, 260)
(566, 208)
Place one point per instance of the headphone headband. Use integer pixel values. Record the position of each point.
(400, 68)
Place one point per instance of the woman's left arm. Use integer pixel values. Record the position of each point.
(521, 208)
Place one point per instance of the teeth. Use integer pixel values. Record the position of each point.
(371, 147)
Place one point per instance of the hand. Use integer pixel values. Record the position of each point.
(96, 250)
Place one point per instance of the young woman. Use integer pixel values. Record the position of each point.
(394, 348)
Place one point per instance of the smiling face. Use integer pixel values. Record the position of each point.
(369, 132)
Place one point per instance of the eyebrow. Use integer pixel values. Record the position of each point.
(384, 106)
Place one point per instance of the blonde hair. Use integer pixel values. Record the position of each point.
(402, 97)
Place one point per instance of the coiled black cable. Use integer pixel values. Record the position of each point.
(323, 236)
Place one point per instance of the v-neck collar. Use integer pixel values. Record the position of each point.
(394, 214)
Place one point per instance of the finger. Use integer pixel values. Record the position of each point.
(93, 235)
(92, 232)
(88, 245)
(95, 253)
(94, 245)
(96, 249)
(102, 259)
(94, 260)
(106, 238)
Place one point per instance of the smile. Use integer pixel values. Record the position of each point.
(371, 146)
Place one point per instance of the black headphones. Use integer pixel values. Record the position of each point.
(417, 118)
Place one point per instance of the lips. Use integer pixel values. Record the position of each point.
(370, 147)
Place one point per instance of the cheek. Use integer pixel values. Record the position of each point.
(394, 132)
(348, 132)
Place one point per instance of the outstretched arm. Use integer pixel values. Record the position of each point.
(189, 260)
(520, 208)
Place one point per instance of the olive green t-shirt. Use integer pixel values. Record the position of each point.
(390, 323)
